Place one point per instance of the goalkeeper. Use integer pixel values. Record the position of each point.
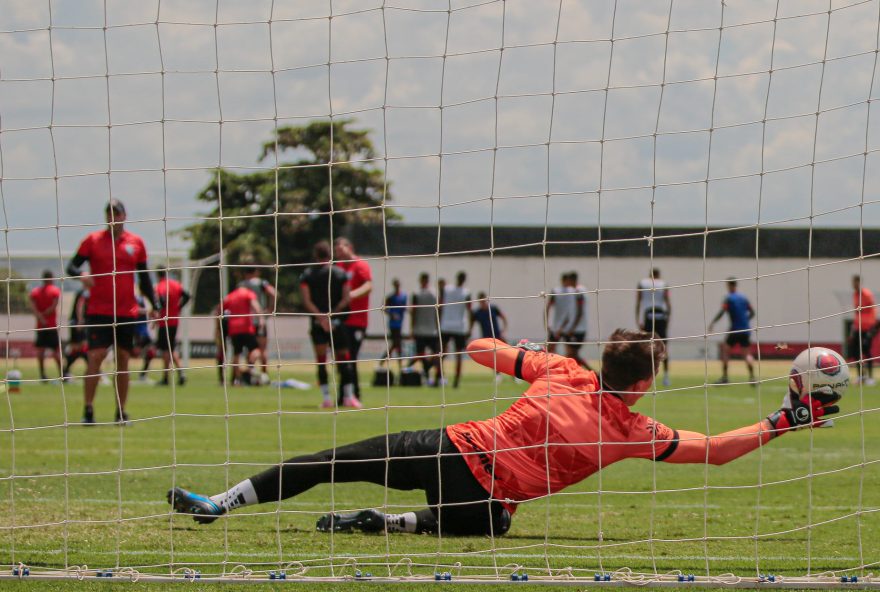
(563, 429)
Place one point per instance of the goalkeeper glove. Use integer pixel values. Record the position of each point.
(797, 413)
(530, 346)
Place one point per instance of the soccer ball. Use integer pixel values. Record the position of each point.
(816, 368)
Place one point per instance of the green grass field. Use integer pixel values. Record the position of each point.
(71, 495)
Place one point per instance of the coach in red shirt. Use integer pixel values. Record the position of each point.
(360, 283)
(44, 302)
(115, 256)
(172, 298)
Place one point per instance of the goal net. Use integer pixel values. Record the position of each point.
(499, 145)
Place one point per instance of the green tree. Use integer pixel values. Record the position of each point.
(14, 293)
(276, 216)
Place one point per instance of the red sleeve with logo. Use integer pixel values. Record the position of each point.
(113, 264)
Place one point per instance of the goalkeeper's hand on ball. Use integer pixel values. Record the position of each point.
(797, 413)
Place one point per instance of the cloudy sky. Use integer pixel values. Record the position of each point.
(526, 112)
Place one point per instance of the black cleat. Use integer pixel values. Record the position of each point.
(122, 418)
(88, 417)
(364, 521)
(202, 509)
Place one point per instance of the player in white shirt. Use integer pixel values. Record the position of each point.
(559, 314)
(455, 321)
(578, 334)
(568, 321)
(653, 310)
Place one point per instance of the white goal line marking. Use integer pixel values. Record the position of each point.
(324, 505)
(232, 556)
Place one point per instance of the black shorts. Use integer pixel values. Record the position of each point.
(77, 335)
(262, 330)
(142, 340)
(321, 337)
(658, 325)
(458, 339)
(395, 335)
(568, 338)
(102, 334)
(427, 343)
(740, 338)
(244, 341)
(859, 345)
(165, 336)
(47, 338)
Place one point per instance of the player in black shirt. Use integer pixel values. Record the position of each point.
(325, 293)
(77, 346)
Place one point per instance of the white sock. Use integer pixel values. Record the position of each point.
(347, 391)
(405, 522)
(325, 390)
(240, 495)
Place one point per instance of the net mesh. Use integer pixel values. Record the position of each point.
(512, 139)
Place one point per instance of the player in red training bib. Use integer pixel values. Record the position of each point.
(241, 309)
(44, 304)
(563, 429)
(172, 298)
(115, 257)
(360, 284)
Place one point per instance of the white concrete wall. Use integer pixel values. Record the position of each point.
(794, 302)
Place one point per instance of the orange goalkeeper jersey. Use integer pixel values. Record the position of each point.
(559, 432)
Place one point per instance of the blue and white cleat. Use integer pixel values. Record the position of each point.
(202, 509)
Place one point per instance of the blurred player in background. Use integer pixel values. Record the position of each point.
(475, 473)
(455, 322)
(115, 256)
(574, 341)
(560, 313)
(172, 298)
(861, 335)
(266, 296)
(395, 310)
(325, 293)
(738, 308)
(240, 308)
(44, 300)
(425, 329)
(653, 310)
(492, 321)
(221, 336)
(77, 346)
(143, 342)
(360, 284)
(568, 326)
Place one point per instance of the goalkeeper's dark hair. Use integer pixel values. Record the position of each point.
(628, 357)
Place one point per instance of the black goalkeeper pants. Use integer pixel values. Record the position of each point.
(425, 460)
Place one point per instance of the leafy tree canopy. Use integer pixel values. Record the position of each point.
(276, 216)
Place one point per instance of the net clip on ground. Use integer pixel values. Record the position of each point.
(602, 577)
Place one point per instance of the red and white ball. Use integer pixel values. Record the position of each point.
(819, 367)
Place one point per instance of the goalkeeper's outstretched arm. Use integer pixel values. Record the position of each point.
(796, 413)
(502, 357)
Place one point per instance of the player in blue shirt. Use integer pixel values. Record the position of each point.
(395, 310)
(740, 311)
(492, 321)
